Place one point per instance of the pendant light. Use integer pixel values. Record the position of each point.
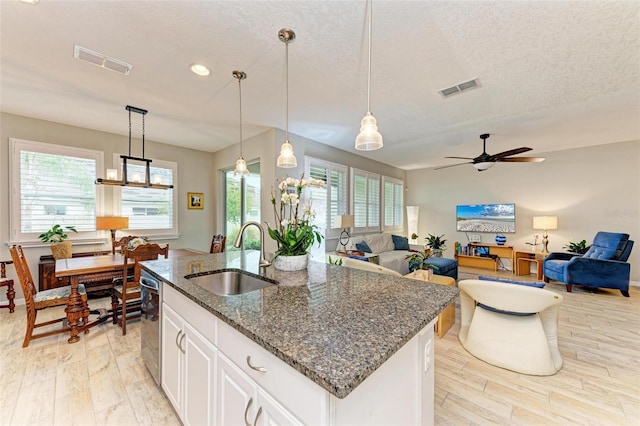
(135, 180)
(286, 159)
(241, 165)
(369, 137)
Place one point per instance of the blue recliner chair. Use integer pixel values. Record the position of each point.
(604, 265)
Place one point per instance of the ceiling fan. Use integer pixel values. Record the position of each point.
(485, 161)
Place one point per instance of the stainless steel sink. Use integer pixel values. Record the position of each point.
(229, 283)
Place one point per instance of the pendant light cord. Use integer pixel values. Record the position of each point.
(286, 77)
(369, 78)
(240, 91)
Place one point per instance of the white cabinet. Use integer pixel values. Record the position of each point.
(188, 369)
(242, 401)
(213, 374)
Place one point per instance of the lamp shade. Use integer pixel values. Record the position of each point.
(412, 220)
(344, 221)
(545, 222)
(112, 222)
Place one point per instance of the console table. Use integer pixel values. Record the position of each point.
(485, 262)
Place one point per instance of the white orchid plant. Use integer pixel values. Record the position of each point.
(294, 232)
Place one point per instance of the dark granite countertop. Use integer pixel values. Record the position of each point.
(334, 324)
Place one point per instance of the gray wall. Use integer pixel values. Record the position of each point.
(589, 190)
(194, 226)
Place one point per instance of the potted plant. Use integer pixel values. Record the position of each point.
(436, 244)
(418, 261)
(579, 248)
(56, 236)
(294, 231)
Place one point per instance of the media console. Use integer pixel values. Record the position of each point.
(483, 262)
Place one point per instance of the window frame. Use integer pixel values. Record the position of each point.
(330, 232)
(173, 232)
(15, 217)
(398, 224)
(371, 177)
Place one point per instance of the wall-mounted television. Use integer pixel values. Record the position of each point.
(496, 218)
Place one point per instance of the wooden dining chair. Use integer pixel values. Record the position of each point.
(8, 283)
(217, 243)
(37, 300)
(122, 242)
(126, 297)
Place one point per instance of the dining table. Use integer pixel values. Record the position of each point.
(79, 269)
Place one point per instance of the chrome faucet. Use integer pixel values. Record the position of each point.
(263, 262)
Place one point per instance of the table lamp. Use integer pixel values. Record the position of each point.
(344, 221)
(545, 223)
(112, 223)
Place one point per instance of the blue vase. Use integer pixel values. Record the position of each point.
(500, 240)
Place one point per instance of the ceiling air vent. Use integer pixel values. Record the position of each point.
(101, 60)
(460, 87)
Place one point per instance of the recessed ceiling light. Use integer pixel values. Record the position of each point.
(30, 1)
(199, 69)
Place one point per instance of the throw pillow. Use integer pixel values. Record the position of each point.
(363, 246)
(379, 242)
(400, 243)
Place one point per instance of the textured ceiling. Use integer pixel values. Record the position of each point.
(553, 75)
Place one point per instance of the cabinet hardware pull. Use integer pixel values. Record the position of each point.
(254, 367)
(255, 422)
(246, 411)
(180, 344)
(177, 337)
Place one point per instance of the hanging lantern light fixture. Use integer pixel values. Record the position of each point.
(135, 179)
(286, 159)
(241, 165)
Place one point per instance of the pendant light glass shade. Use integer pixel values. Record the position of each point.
(369, 138)
(286, 159)
(241, 165)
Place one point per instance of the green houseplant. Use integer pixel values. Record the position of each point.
(579, 248)
(436, 243)
(56, 236)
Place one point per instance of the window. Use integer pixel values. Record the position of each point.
(242, 204)
(54, 184)
(366, 200)
(393, 203)
(332, 200)
(150, 211)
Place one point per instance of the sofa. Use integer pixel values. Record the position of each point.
(392, 250)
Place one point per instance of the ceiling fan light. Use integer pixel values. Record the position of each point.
(484, 165)
(369, 138)
(286, 159)
(241, 168)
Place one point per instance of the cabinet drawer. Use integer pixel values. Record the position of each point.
(305, 399)
(199, 318)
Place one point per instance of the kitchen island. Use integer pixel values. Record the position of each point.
(327, 345)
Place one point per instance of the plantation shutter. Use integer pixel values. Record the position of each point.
(366, 201)
(393, 203)
(54, 185)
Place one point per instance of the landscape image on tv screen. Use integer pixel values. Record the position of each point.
(496, 218)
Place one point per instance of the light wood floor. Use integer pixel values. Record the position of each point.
(102, 380)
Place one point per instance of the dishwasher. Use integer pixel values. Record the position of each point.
(151, 292)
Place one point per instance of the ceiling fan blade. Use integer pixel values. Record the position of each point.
(452, 165)
(511, 152)
(462, 158)
(522, 159)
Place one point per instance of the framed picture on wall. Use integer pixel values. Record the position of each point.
(195, 200)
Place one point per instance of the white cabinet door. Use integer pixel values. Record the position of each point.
(199, 379)
(172, 360)
(236, 395)
(272, 413)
